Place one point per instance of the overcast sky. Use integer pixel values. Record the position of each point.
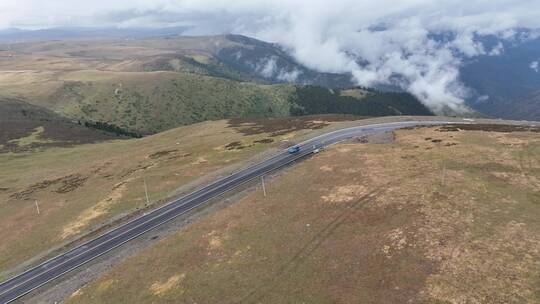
(391, 37)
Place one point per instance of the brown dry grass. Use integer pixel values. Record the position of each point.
(161, 288)
(94, 212)
(111, 175)
(414, 221)
(81, 187)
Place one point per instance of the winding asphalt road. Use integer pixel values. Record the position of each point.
(47, 271)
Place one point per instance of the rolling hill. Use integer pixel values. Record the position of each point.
(25, 127)
(13, 35)
(149, 85)
(499, 84)
(228, 56)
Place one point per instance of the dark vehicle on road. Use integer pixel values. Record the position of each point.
(293, 150)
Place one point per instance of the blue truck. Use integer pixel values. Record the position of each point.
(293, 150)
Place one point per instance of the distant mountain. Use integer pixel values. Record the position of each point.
(502, 85)
(153, 84)
(524, 107)
(233, 57)
(20, 35)
(506, 85)
(241, 58)
(270, 62)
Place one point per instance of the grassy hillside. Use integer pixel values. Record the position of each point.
(26, 127)
(156, 101)
(147, 102)
(441, 215)
(227, 56)
(309, 100)
(146, 86)
(150, 102)
(80, 187)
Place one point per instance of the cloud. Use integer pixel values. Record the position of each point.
(418, 45)
(534, 66)
(291, 76)
(497, 50)
(268, 68)
(482, 99)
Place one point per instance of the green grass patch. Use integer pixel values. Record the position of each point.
(33, 138)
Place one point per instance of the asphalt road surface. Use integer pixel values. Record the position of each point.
(47, 271)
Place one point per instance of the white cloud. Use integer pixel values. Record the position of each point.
(377, 41)
(534, 66)
(482, 98)
(291, 76)
(267, 67)
(497, 50)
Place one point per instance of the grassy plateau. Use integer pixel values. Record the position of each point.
(438, 215)
(80, 187)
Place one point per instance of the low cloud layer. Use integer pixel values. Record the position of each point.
(418, 45)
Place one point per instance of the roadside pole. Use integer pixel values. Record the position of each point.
(263, 186)
(146, 191)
